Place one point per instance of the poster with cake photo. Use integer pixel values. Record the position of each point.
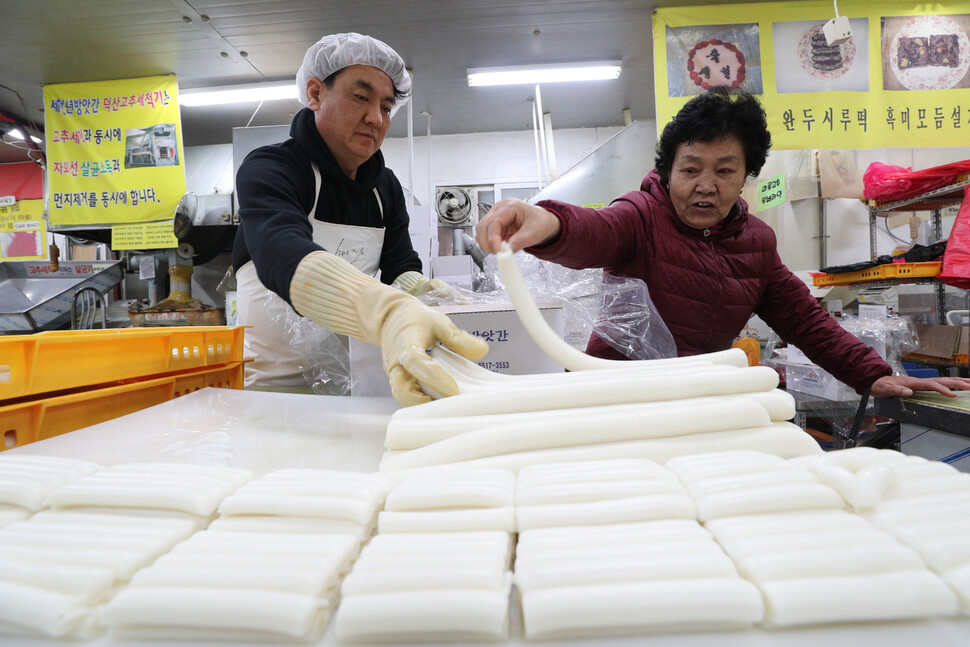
(804, 62)
(925, 52)
(700, 57)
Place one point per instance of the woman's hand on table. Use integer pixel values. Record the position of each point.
(902, 386)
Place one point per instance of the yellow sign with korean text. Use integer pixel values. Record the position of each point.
(151, 235)
(901, 80)
(114, 151)
(23, 232)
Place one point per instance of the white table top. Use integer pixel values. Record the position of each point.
(263, 431)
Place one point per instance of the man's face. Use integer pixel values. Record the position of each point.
(705, 181)
(353, 116)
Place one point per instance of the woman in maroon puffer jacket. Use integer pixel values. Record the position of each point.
(709, 265)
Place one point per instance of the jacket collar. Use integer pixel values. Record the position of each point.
(304, 132)
(660, 192)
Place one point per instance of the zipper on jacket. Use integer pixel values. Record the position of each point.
(707, 237)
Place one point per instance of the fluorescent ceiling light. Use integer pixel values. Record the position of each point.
(516, 74)
(250, 93)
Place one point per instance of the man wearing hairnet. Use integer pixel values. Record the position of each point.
(320, 215)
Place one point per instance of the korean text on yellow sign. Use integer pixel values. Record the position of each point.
(114, 151)
(901, 80)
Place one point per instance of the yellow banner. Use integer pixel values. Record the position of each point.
(901, 80)
(23, 232)
(114, 151)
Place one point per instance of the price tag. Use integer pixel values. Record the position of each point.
(771, 192)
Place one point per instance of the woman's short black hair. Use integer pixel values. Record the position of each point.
(718, 113)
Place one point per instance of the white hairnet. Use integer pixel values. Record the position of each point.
(337, 51)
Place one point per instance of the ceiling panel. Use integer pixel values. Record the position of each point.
(211, 42)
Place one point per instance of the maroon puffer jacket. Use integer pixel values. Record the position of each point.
(706, 285)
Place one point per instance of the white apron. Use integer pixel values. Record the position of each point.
(268, 341)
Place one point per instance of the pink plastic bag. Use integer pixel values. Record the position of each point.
(956, 258)
(885, 183)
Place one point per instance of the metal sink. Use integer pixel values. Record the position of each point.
(33, 297)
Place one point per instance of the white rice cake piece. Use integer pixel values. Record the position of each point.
(855, 458)
(91, 583)
(641, 508)
(699, 604)
(420, 575)
(317, 506)
(437, 543)
(193, 489)
(690, 469)
(294, 525)
(959, 580)
(184, 611)
(170, 527)
(443, 615)
(36, 611)
(742, 547)
(598, 567)
(605, 537)
(592, 471)
(453, 490)
(324, 482)
(772, 498)
(631, 552)
(11, 514)
(902, 488)
(27, 480)
(587, 492)
(827, 561)
(897, 595)
(923, 508)
(389, 521)
(704, 487)
(785, 523)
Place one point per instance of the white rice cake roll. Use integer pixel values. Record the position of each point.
(378, 564)
(123, 563)
(437, 543)
(780, 438)
(244, 561)
(404, 433)
(881, 596)
(855, 458)
(447, 520)
(943, 553)
(690, 469)
(32, 610)
(12, 514)
(87, 582)
(314, 577)
(542, 539)
(26, 481)
(193, 489)
(664, 420)
(930, 507)
(915, 533)
(463, 489)
(918, 467)
(741, 548)
(698, 604)
(959, 580)
(828, 561)
(293, 525)
(600, 391)
(425, 577)
(599, 568)
(632, 552)
(270, 612)
(24, 534)
(704, 487)
(268, 543)
(642, 508)
(785, 523)
(910, 487)
(329, 483)
(170, 528)
(862, 490)
(630, 469)
(771, 498)
(299, 505)
(444, 615)
(592, 491)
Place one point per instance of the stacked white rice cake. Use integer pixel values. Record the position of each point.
(612, 547)
(27, 480)
(269, 568)
(813, 561)
(439, 569)
(59, 567)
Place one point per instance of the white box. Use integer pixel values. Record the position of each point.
(453, 270)
(511, 349)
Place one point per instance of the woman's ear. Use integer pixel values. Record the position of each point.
(313, 89)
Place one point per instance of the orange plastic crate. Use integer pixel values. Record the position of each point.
(59, 360)
(27, 422)
(881, 273)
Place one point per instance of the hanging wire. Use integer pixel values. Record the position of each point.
(890, 232)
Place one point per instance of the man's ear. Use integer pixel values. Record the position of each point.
(314, 91)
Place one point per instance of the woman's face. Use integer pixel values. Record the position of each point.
(705, 180)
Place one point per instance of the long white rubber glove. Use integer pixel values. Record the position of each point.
(416, 283)
(331, 292)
